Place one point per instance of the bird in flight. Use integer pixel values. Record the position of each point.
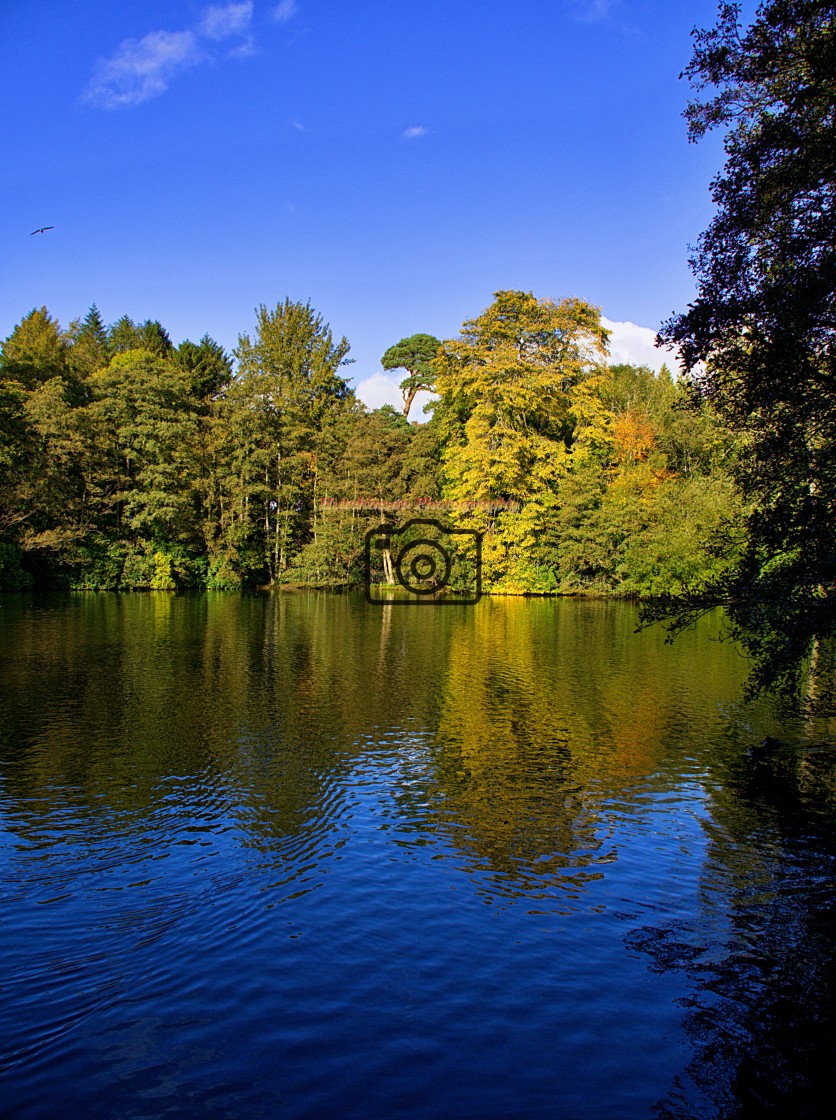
(43, 229)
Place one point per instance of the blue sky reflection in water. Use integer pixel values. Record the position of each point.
(248, 868)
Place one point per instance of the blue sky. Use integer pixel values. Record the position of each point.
(394, 162)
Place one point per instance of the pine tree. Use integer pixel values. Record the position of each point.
(286, 392)
(90, 348)
(123, 335)
(414, 354)
(35, 351)
(207, 364)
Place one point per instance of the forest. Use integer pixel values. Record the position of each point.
(129, 462)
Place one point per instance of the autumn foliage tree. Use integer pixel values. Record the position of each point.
(519, 395)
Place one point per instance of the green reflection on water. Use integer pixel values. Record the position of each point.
(530, 712)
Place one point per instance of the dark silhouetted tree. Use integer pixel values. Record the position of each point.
(759, 341)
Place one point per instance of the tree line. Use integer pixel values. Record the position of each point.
(129, 462)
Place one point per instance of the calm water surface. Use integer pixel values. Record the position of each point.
(298, 856)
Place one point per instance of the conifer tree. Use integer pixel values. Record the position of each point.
(286, 392)
(90, 349)
(35, 351)
(123, 335)
(414, 354)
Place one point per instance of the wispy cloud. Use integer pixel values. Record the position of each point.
(243, 50)
(297, 125)
(284, 11)
(415, 131)
(141, 69)
(222, 20)
(593, 11)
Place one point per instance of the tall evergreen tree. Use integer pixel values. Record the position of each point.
(154, 338)
(123, 335)
(35, 351)
(90, 348)
(144, 428)
(287, 390)
(208, 366)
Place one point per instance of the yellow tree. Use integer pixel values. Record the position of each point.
(520, 395)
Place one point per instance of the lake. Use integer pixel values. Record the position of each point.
(297, 855)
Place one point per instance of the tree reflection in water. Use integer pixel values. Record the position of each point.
(762, 1012)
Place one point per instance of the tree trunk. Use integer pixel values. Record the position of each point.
(388, 570)
(315, 477)
(409, 397)
(270, 565)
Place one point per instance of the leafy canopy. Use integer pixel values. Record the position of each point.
(759, 341)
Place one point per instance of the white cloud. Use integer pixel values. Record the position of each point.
(222, 20)
(142, 68)
(380, 389)
(414, 131)
(297, 125)
(632, 343)
(384, 388)
(284, 11)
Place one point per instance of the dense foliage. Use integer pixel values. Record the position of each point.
(759, 339)
(128, 462)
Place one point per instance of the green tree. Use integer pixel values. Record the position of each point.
(758, 341)
(153, 337)
(89, 345)
(141, 427)
(414, 354)
(659, 513)
(363, 457)
(273, 417)
(207, 364)
(15, 455)
(123, 335)
(520, 396)
(40, 515)
(35, 351)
